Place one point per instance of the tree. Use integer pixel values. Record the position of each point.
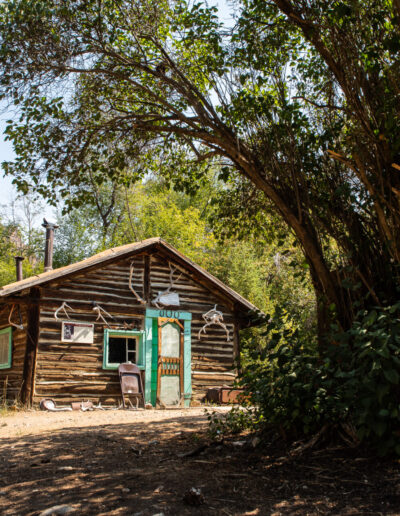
(299, 98)
(263, 267)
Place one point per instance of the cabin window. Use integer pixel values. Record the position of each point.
(120, 347)
(5, 348)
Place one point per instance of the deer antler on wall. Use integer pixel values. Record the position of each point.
(166, 297)
(62, 307)
(19, 326)
(140, 299)
(214, 316)
(100, 311)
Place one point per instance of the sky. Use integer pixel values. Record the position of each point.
(7, 191)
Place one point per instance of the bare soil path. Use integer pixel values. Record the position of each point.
(131, 463)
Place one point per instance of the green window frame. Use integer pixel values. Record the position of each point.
(123, 333)
(7, 364)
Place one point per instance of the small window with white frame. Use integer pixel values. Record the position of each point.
(5, 347)
(121, 346)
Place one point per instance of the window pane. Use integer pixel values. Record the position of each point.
(170, 340)
(170, 390)
(132, 356)
(131, 344)
(116, 350)
(4, 348)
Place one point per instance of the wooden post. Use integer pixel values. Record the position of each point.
(236, 343)
(146, 278)
(32, 338)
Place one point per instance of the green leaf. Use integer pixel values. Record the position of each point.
(392, 376)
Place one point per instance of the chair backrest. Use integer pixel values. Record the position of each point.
(130, 378)
(128, 367)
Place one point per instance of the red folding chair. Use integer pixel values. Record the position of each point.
(131, 383)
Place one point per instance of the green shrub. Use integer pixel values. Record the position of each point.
(352, 380)
(232, 422)
(365, 368)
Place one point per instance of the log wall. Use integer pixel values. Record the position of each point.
(11, 380)
(69, 371)
(74, 371)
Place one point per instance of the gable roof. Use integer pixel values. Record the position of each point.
(121, 252)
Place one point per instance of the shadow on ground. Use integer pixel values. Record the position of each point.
(135, 468)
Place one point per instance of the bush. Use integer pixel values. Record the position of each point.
(353, 380)
(232, 422)
(365, 366)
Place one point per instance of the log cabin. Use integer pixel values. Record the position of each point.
(64, 332)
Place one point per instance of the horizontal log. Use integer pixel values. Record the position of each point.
(80, 389)
(77, 377)
(68, 358)
(69, 349)
(218, 367)
(211, 378)
(93, 293)
(204, 386)
(81, 302)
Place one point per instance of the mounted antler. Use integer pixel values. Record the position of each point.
(20, 326)
(141, 300)
(214, 316)
(63, 307)
(166, 297)
(100, 311)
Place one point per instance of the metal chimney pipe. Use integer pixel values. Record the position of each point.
(18, 266)
(48, 253)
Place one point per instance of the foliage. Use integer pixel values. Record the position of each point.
(368, 375)
(269, 274)
(20, 237)
(155, 210)
(79, 236)
(299, 99)
(230, 423)
(352, 381)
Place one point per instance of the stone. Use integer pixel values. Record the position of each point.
(238, 444)
(57, 510)
(194, 497)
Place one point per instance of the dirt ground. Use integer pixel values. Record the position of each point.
(132, 463)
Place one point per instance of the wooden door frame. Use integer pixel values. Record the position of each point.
(162, 321)
(151, 350)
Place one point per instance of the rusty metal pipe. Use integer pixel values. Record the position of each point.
(18, 266)
(48, 253)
